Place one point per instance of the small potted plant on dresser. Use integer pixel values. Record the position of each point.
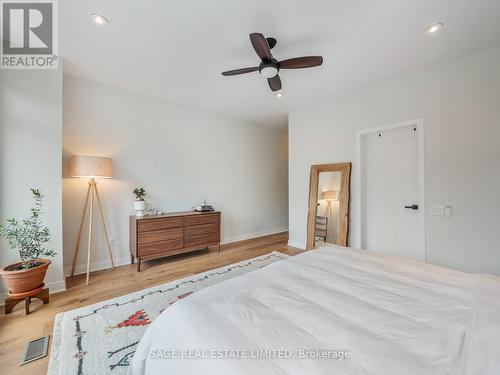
(140, 203)
(25, 279)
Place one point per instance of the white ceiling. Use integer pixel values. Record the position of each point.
(176, 50)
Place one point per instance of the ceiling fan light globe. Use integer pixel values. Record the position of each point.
(269, 71)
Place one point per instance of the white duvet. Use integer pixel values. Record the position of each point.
(392, 317)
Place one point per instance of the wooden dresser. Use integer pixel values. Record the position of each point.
(159, 236)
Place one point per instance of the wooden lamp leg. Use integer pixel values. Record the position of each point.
(91, 191)
(328, 215)
(105, 228)
(89, 248)
(82, 221)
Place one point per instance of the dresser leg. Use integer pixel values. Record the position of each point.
(131, 259)
(218, 249)
(138, 264)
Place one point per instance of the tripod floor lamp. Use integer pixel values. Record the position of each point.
(92, 167)
(330, 196)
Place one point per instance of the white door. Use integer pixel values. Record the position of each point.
(392, 220)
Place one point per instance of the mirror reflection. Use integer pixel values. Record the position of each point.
(327, 214)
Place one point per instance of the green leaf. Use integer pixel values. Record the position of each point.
(29, 235)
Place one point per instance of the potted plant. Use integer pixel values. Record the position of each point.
(140, 203)
(28, 237)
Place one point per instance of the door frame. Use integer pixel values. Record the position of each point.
(361, 174)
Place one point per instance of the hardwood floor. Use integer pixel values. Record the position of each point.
(16, 328)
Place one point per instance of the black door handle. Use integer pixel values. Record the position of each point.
(412, 207)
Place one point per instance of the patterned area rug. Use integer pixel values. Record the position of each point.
(101, 338)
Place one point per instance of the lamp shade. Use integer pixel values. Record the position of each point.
(331, 195)
(90, 166)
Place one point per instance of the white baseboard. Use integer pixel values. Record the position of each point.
(54, 287)
(297, 244)
(249, 236)
(121, 261)
(97, 266)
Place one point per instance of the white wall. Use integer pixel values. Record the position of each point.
(179, 155)
(460, 104)
(30, 156)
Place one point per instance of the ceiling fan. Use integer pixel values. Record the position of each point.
(270, 67)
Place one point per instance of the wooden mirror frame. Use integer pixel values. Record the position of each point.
(344, 194)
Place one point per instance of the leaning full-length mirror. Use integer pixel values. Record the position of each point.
(328, 218)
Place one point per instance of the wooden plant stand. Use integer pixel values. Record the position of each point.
(40, 293)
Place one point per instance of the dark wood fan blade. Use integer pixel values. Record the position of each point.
(240, 71)
(301, 62)
(275, 83)
(260, 46)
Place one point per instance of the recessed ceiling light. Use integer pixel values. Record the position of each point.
(279, 95)
(434, 28)
(98, 19)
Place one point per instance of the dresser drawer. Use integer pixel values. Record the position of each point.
(160, 235)
(201, 240)
(163, 223)
(202, 219)
(202, 229)
(161, 247)
(172, 233)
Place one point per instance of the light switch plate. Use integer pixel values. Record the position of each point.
(437, 210)
(448, 210)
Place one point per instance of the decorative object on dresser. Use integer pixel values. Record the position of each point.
(91, 167)
(140, 203)
(173, 233)
(205, 207)
(25, 279)
(154, 211)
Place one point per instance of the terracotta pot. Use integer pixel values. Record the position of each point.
(22, 281)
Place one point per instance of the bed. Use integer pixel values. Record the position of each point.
(331, 311)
